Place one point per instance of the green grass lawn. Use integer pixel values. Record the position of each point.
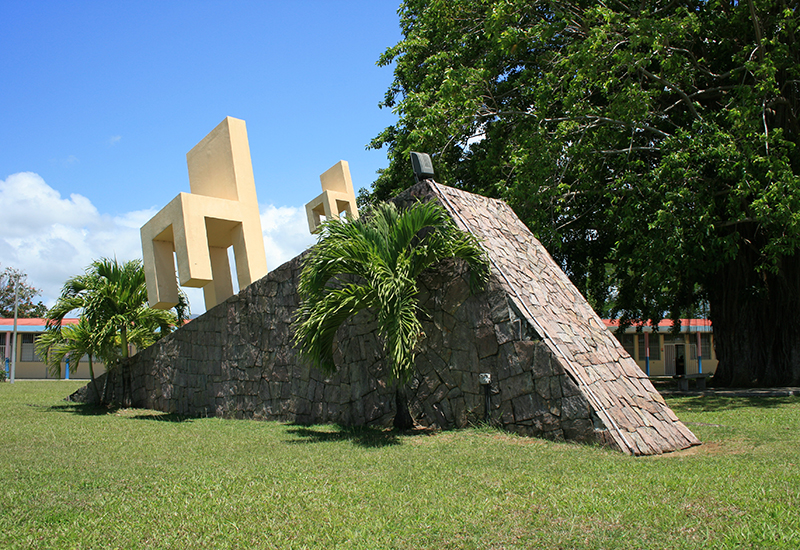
(77, 477)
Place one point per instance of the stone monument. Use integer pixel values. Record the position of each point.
(528, 353)
(198, 227)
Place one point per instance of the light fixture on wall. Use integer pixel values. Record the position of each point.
(485, 380)
(422, 165)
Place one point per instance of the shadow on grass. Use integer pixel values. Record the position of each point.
(157, 416)
(362, 436)
(82, 409)
(87, 409)
(711, 403)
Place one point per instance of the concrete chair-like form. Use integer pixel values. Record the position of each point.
(220, 211)
(337, 197)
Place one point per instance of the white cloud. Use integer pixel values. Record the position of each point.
(52, 238)
(113, 140)
(286, 233)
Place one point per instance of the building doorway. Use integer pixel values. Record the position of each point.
(676, 359)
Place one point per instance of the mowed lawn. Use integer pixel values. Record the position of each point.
(78, 477)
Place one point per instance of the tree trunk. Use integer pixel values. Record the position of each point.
(127, 394)
(756, 320)
(402, 416)
(107, 386)
(94, 381)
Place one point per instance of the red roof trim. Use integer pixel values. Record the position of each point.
(34, 322)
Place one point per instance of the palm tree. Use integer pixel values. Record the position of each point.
(112, 297)
(373, 262)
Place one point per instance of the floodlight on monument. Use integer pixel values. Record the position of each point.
(337, 198)
(197, 228)
(422, 165)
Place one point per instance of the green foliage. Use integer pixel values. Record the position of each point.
(26, 294)
(652, 146)
(374, 262)
(112, 299)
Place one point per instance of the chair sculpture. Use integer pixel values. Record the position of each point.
(198, 227)
(337, 197)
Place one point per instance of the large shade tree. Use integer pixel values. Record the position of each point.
(652, 146)
(373, 263)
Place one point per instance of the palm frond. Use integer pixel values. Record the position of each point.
(316, 323)
(112, 300)
(374, 262)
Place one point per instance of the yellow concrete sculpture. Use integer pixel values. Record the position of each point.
(220, 211)
(337, 197)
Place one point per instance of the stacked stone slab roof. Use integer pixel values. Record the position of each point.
(624, 399)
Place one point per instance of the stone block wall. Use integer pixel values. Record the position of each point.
(237, 361)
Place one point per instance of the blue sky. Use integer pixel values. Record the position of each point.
(101, 101)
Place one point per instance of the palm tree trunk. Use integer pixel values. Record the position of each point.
(402, 417)
(126, 386)
(94, 382)
(127, 392)
(123, 336)
(106, 385)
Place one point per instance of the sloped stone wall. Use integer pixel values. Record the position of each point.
(237, 361)
(621, 396)
(467, 335)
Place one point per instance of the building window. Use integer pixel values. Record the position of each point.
(28, 353)
(705, 346)
(2, 346)
(655, 347)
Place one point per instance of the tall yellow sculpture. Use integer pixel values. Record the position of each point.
(198, 227)
(337, 197)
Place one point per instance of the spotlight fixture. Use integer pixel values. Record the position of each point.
(423, 167)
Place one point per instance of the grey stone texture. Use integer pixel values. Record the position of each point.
(557, 372)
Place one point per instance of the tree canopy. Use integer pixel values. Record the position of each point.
(652, 147)
(26, 295)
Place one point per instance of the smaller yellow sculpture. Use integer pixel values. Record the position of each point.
(337, 197)
(198, 227)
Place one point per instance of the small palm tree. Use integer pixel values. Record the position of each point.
(112, 298)
(373, 262)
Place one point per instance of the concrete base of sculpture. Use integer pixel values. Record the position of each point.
(556, 371)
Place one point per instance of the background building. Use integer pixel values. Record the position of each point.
(663, 353)
(29, 364)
